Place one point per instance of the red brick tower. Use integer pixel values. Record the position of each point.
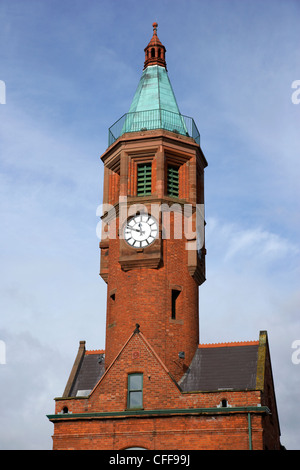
(154, 386)
(153, 184)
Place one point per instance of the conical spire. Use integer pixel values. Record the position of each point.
(155, 52)
(154, 105)
(154, 90)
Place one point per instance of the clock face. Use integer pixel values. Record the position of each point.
(140, 231)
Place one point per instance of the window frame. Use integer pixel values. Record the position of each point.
(131, 390)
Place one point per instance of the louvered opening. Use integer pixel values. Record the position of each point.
(144, 179)
(173, 181)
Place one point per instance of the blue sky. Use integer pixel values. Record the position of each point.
(71, 69)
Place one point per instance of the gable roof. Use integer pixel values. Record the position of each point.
(91, 370)
(155, 359)
(215, 367)
(88, 368)
(222, 366)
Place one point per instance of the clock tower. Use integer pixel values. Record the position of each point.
(152, 243)
(154, 386)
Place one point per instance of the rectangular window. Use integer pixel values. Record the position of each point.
(173, 181)
(135, 391)
(144, 179)
(175, 294)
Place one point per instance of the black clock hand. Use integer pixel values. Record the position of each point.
(141, 229)
(135, 229)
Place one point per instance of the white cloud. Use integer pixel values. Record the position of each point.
(258, 243)
(235, 245)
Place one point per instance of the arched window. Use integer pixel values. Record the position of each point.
(135, 448)
(152, 52)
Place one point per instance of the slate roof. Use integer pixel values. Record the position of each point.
(214, 367)
(218, 367)
(89, 373)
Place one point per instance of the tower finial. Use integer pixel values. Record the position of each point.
(155, 51)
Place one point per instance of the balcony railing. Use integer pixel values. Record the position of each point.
(154, 119)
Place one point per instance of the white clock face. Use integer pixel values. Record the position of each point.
(140, 231)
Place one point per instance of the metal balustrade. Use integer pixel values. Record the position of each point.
(153, 119)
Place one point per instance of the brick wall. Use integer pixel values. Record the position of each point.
(222, 432)
(143, 296)
(215, 430)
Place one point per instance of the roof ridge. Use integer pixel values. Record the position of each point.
(94, 351)
(228, 344)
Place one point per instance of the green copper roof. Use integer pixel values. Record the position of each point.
(154, 104)
(154, 91)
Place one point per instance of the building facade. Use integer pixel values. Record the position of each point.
(154, 386)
